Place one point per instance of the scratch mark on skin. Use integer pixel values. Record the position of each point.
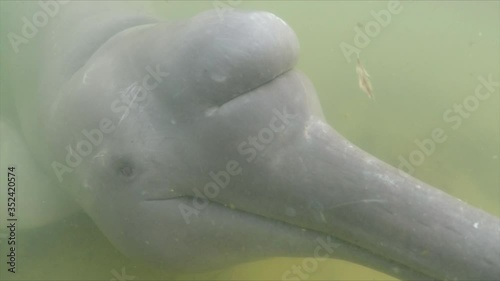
(130, 89)
(84, 79)
(129, 107)
(323, 219)
(99, 155)
(357, 202)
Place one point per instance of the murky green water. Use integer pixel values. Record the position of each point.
(427, 59)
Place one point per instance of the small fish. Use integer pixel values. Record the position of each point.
(364, 80)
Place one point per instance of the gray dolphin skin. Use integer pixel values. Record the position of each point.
(195, 145)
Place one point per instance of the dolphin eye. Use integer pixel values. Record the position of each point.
(127, 171)
(125, 168)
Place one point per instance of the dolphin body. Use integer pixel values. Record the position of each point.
(196, 145)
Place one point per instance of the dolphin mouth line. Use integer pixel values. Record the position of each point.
(169, 198)
(351, 252)
(236, 96)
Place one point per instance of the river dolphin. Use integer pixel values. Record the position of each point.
(196, 145)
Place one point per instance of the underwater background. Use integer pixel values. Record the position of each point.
(426, 60)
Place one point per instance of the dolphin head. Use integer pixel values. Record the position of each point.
(196, 145)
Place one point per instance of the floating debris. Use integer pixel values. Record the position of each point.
(364, 79)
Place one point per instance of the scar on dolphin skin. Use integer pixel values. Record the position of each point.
(358, 202)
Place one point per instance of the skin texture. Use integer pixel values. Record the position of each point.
(225, 117)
